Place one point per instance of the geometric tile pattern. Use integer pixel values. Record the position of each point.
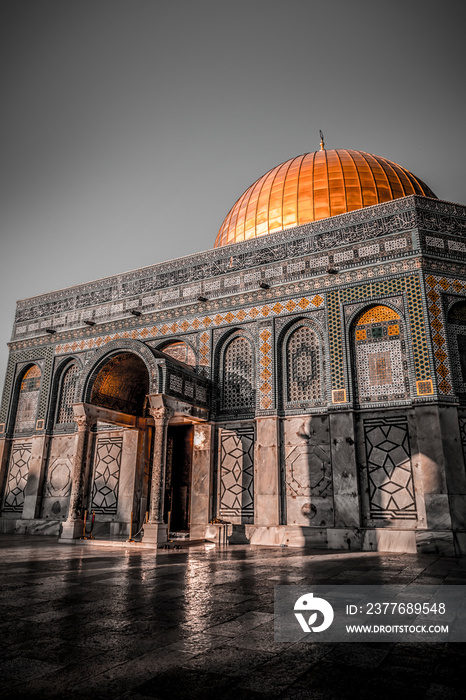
(194, 324)
(237, 474)
(381, 365)
(28, 400)
(456, 330)
(107, 462)
(204, 349)
(389, 469)
(303, 363)
(462, 422)
(436, 287)
(266, 367)
(238, 387)
(410, 285)
(17, 477)
(68, 386)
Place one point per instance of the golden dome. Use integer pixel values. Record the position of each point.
(315, 186)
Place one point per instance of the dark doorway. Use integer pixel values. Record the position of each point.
(178, 477)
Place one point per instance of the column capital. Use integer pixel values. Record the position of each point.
(84, 423)
(161, 413)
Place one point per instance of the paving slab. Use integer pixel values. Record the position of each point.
(118, 622)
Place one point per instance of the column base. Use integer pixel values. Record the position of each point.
(72, 530)
(155, 533)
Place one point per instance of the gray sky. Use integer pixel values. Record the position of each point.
(130, 127)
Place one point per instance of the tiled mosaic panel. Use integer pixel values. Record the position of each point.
(194, 324)
(436, 286)
(237, 474)
(379, 288)
(28, 400)
(456, 330)
(266, 366)
(389, 469)
(17, 477)
(107, 463)
(462, 422)
(302, 366)
(380, 357)
(68, 386)
(238, 386)
(43, 356)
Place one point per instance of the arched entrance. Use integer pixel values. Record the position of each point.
(137, 418)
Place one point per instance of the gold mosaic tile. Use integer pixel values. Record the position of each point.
(445, 387)
(265, 348)
(438, 339)
(290, 305)
(425, 387)
(377, 314)
(361, 334)
(229, 317)
(338, 395)
(277, 308)
(317, 300)
(241, 315)
(303, 303)
(218, 319)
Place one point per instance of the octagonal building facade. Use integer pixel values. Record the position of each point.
(302, 383)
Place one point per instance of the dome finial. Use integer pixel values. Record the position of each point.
(322, 144)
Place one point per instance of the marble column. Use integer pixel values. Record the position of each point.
(201, 480)
(73, 526)
(156, 530)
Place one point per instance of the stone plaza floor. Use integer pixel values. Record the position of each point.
(80, 621)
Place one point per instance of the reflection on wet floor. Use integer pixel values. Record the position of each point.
(107, 622)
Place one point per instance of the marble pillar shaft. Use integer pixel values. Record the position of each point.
(79, 470)
(158, 471)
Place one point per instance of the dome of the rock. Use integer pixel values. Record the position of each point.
(316, 186)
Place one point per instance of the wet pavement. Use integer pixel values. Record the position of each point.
(105, 622)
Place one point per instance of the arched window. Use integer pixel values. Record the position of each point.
(457, 346)
(238, 375)
(67, 389)
(302, 361)
(180, 351)
(28, 400)
(380, 356)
